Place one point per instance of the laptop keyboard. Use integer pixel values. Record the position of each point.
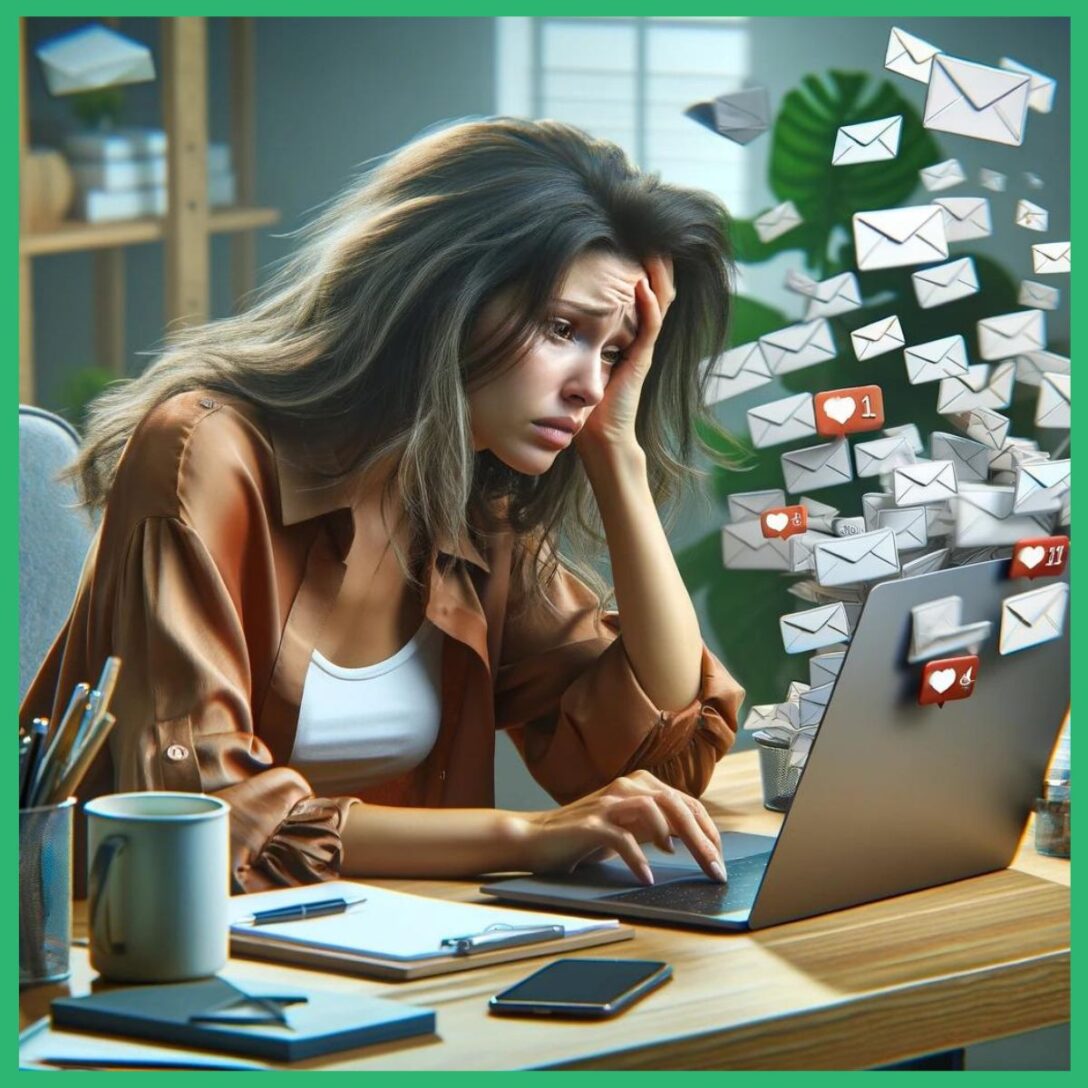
(699, 895)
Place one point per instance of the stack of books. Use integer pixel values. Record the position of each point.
(121, 174)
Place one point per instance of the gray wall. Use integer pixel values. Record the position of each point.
(333, 92)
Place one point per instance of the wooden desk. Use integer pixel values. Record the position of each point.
(922, 973)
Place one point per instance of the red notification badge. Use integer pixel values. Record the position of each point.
(948, 678)
(1039, 557)
(848, 411)
(783, 521)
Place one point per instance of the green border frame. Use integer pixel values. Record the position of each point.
(841, 8)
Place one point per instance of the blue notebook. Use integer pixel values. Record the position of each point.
(214, 1014)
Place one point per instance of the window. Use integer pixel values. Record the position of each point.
(629, 80)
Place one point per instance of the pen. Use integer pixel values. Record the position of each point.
(33, 760)
(302, 910)
(500, 938)
(78, 766)
(61, 743)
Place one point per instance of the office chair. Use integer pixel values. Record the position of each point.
(54, 535)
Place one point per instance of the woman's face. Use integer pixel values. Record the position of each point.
(530, 413)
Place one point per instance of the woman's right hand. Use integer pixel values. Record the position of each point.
(634, 809)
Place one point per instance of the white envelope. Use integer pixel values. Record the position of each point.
(1032, 618)
(776, 221)
(834, 296)
(841, 527)
(746, 505)
(908, 524)
(825, 668)
(937, 629)
(942, 175)
(796, 689)
(945, 283)
(940, 521)
(1050, 258)
(865, 557)
(798, 346)
(1016, 452)
(924, 564)
(1041, 488)
(983, 425)
(852, 596)
(883, 455)
(924, 482)
(935, 359)
(735, 372)
(1041, 96)
(1031, 216)
(872, 502)
(93, 57)
(814, 628)
(965, 217)
(908, 431)
(1032, 365)
(1053, 409)
(799, 283)
(782, 420)
(744, 547)
(1033, 181)
(813, 704)
(801, 545)
(993, 180)
(1012, 334)
(869, 141)
(877, 338)
(890, 237)
(985, 518)
(742, 115)
(825, 465)
(983, 386)
(970, 459)
(1040, 295)
(773, 717)
(820, 514)
(976, 100)
(909, 56)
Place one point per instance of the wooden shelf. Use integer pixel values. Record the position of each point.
(73, 237)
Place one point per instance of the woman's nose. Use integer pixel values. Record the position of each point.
(586, 383)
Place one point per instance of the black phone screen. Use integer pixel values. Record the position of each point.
(582, 982)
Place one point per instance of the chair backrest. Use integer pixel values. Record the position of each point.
(54, 535)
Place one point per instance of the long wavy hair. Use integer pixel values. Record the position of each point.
(365, 333)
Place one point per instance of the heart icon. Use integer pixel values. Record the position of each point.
(941, 681)
(840, 409)
(1032, 557)
(777, 522)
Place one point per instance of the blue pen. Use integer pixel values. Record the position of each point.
(38, 733)
(303, 910)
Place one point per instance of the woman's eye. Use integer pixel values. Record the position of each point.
(563, 330)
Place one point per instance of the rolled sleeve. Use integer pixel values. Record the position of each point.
(574, 708)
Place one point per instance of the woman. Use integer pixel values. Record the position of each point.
(328, 556)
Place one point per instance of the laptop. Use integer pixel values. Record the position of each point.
(894, 796)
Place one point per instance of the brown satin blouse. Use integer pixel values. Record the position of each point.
(215, 565)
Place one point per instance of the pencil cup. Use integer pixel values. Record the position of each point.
(45, 892)
(779, 778)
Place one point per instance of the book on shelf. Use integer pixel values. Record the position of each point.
(105, 206)
(126, 142)
(138, 172)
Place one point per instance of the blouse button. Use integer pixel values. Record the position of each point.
(177, 752)
(442, 776)
(207, 402)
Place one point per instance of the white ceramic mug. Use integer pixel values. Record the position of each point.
(158, 885)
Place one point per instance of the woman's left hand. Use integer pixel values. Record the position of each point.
(612, 421)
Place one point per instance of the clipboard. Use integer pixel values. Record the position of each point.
(397, 936)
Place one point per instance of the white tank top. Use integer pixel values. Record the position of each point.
(358, 727)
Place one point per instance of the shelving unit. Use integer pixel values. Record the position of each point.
(187, 227)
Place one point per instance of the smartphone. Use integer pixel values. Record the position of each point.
(582, 988)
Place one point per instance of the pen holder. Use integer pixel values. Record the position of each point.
(1052, 822)
(45, 892)
(779, 778)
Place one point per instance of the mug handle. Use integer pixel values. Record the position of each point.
(108, 851)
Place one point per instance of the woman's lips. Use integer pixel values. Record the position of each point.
(553, 436)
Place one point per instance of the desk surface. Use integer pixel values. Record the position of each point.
(925, 972)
